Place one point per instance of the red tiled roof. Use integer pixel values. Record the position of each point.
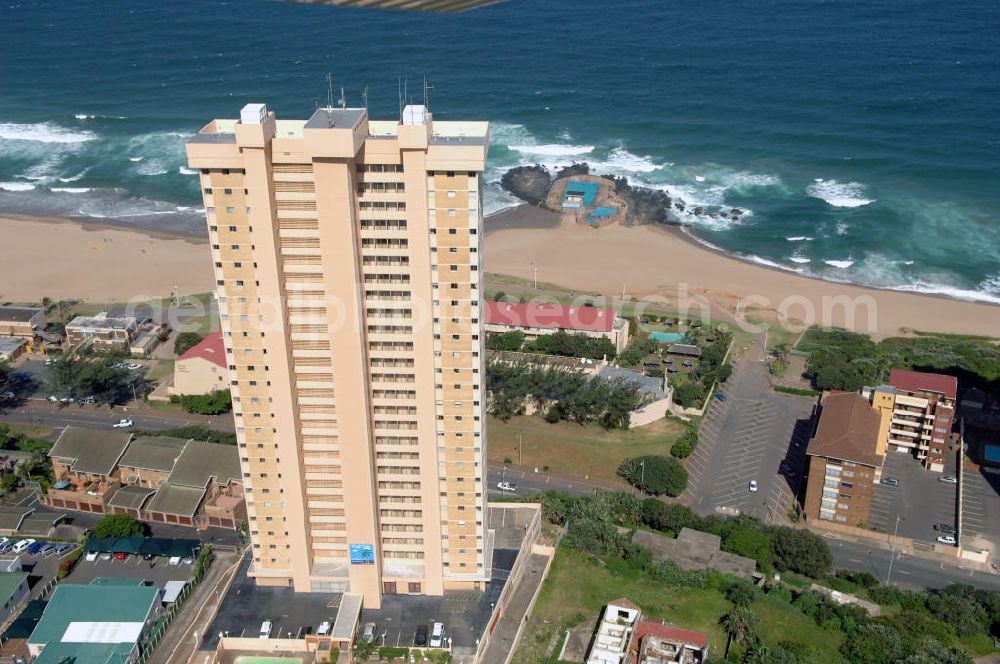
(649, 626)
(848, 430)
(543, 314)
(210, 348)
(915, 381)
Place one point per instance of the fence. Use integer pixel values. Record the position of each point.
(170, 613)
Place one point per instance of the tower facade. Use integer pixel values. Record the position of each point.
(348, 276)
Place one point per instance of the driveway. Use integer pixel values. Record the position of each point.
(755, 434)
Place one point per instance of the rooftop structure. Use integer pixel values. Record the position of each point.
(921, 381)
(614, 633)
(848, 430)
(687, 350)
(655, 642)
(12, 314)
(211, 348)
(93, 623)
(88, 451)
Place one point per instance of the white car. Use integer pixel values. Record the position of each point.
(949, 479)
(265, 629)
(175, 560)
(753, 486)
(437, 635)
(947, 539)
(91, 557)
(507, 486)
(122, 424)
(7, 396)
(133, 366)
(23, 545)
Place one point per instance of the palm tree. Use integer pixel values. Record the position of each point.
(740, 624)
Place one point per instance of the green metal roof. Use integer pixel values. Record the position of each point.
(10, 582)
(84, 653)
(93, 451)
(153, 453)
(73, 602)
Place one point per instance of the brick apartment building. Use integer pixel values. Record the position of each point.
(918, 414)
(845, 461)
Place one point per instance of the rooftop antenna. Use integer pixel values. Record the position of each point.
(364, 97)
(329, 91)
(399, 94)
(427, 89)
(406, 95)
(343, 98)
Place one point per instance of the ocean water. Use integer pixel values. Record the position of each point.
(863, 138)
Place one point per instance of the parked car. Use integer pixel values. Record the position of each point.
(324, 628)
(47, 549)
(890, 481)
(720, 396)
(121, 555)
(949, 479)
(945, 528)
(507, 486)
(89, 399)
(368, 633)
(63, 548)
(132, 366)
(174, 560)
(91, 556)
(54, 398)
(420, 638)
(265, 629)
(105, 556)
(437, 635)
(187, 561)
(122, 424)
(35, 547)
(947, 539)
(147, 556)
(22, 545)
(7, 396)
(753, 486)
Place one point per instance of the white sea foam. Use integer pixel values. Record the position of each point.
(798, 238)
(187, 171)
(843, 265)
(797, 258)
(16, 186)
(621, 159)
(135, 158)
(552, 149)
(76, 177)
(950, 291)
(842, 228)
(84, 116)
(71, 190)
(839, 194)
(42, 132)
(153, 170)
(699, 178)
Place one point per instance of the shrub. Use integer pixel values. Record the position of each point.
(214, 403)
(118, 525)
(185, 341)
(655, 474)
(800, 551)
(681, 449)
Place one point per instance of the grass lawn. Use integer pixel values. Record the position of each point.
(32, 430)
(163, 369)
(575, 449)
(578, 587)
(979, 645)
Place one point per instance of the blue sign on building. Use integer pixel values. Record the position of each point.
(362, 554)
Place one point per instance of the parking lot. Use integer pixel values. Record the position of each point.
(156, 571)
(921, 499)
(41, 567)
(980, 509)
(36, 374)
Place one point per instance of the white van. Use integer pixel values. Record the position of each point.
(22, 545)
(265, 629)
(437, 635)
(324, 628)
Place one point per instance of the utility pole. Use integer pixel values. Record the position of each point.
(535, 269)
(892, 556)
(519, 462)
(642, 475)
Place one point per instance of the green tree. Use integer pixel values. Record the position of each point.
(750, 542)
(655, 474)
(957, 606)
(79, 376)
(669, 517)
(214, 403)
(740, 624)
(800, 551)
(198, 432)
(118, 525)
(500, 296)
(185, 341)
(764, 654)
(505, 341)
(741, 593)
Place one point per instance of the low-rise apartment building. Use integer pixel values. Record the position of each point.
(844, 459)
(624, 636)
(536, 319)
(202, 368)
(918, 413)
(103, 332)
(158, 479)
(21, 321)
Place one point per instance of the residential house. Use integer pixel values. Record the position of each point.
(103, 332)
(83, 465)
(13, 591)
(21, 321)
(12, 348)
(203, 368)
(536, 319)
(614, 633)
(655, 642)
(845, 460)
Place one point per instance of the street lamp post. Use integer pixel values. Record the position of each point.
(892, 555)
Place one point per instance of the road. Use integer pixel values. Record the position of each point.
(907, 571)
(755, 434)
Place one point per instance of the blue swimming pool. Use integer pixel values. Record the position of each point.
(666, 337)
(580, 189)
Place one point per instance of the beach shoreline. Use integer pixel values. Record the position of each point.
(656, 262)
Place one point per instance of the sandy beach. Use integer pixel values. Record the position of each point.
(60, 258)
(98, 262)
(658, 262)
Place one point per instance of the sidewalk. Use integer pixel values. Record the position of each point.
(506, 633)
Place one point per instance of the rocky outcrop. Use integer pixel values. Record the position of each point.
(645, 206)
(529, 183)
(575, 169)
